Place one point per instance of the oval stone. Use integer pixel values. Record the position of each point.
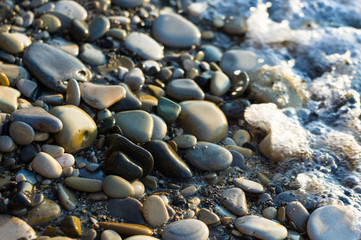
(92, 55)
(185, 141)
(129, 102)
(8, 99)
(155, 211)
(141, 237)
(128, 3)
(79, 129)
(110, 235)
(190, 229)
(14, 72)
(10, 43)
(84, 184)
(144, 46)
(220, 83)
(234, 60)
(204, 120)
(128, 209)
(159, 128)
(248, 185)
(209, 157)
(21, 133)
(15, 228)
(45, 212)
(261, 228)
(53, 67)
(127, 229)
(73, 93)
(71, 9)
(184, 89)
(137, 125)
(173, 30)
(331, 223)
(117, 187)
(234, 200)
(298, 214)
(46, 165)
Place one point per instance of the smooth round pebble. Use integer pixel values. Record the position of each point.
(248, 185)
(240, 137)
(234, 60)
(159, 128)
(185, 141)
(45, 212)
(71, 9)
(270, 212)
(66, 160)
(128, 3)
(117, 187)
(54, 150)
(298, 214)
(155, 211)
(14, 228)
(110, 235)
(190, 229)
(21, 133)
(141, 237)
(234, 199)
(46, 165)
(207, 216)
(92, 55)
(84, 184)
(184, 89)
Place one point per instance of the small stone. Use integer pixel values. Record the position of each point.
(134, 79)
(26, 87)
(190, 229)
(298, 214)
(139, 189)
(166, 30)
(101, 96)
(15, 228)
(84, 184)
(118, 34)
(4, 81)
(194, 119)
(92, 55)
(270, 212)
(137, 125)
(71, 9)
(128, 209)
(234, 200)
(21, 133)
(238, 159)
(71, 226)
(209, 157)
(155, 211)
(46, 165)
(240, 137)
(236, 25)
(98, 27)
(144, 46)
(14, 72)
(129, 3)
(6, 144)
(188, 191)
(78, 30)
(185, 141)
(261, 228)
(11, 43)
(66, 159)
(110, 235)
(208, 217)
(127, 229)
(248, 185)
(220, 83)
(62, 44)
(211, 53)
(141, 237)
(89, 234)
(159, 128)
(246, 152)
(168, 110)
(117, 187)
(51, 22)
(234, 60)
(8, 99)
(73, 94)
(184, 89)
(43, 213)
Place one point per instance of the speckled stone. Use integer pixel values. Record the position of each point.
(143, 45)
(331, 223)
(137, 125)
(209, 157)
(190, 229)
(79, 129)
(101, 96)
(233, 60)
(8, 99)
(22, 133)
(261, 228)
(15, 228)
(184, 89)
(248, 185)
(166, 29)
(38, 119)
(71, 9)
(204, 120)
(155, 211)
(117, 187)
(84, 184)
(53, 67)
(45, 212)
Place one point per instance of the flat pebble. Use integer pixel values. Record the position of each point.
(92, 55)
(248, 185)
(127, 229)
(298, 214)
(84, 184)
(134, 79)
(190, 229)
(159, 128)
(236, 25)
(15, 228)
(101, 96)
(166, 30)
(73, 94)
(211, 53)
(331, 223)
(71, 226)
(13, 42)
(117, 187)
(195, 119)
(71, 9)
(261, 228)
(46, 165)
(155, 211)
(234, 200)
(184, 89)
(208, 217)
(51, 22)
(185, 141)
(14, 72)
(270, 212)
(220, 83)
(110, 235)
(21, 133)
(234, 60)
(141, 237)
(128, 209)
(209, 157)
(240, 137)
(144, 46)
(45, 212)
(8, 99)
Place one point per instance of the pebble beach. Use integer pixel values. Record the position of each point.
(180, 120)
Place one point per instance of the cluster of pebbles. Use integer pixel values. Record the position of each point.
(121, 119)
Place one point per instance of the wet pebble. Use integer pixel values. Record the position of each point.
(234, 60)
(298, 214)
(220, 83)
(190, 229)
(144, 46)
(128, 3)
(159, 128)
(73, 94)
(110, 235)
(66, 46)
(26, 87)
(11, 43)
(78, 30)
(208, 217)
(168, 109)
(8, 99)
(51, 22)
(141, 237)
(127, 229)
(117, 187)
(185, 141)
(98, 27)
(270, 212)
(236, 25)
(71, 226)
(134, 79)
(71, 9)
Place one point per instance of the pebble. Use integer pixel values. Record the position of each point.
(167, 160)
(84, 184)
(8, 99)
(195, 119)
(134, 79)
(184, 89)
(45, 165)
(51, 22)
(209, 157)
(137, 125)
(21, 133)
(92, 55)
(53, 67)
(246, 152)
(118, 34)
(168, 109)
(14, 72)
(185, 141)
(141, 237)
(238, 159)
(211, 53)
(261, 228)
(166, 30)
(331, 223)
(155, 211)
(159, 128)
(45, 212)
(190, 229)
(71, 226)
(188, 191)
(220, 83)
(127, 229)
(128, 209)
(144, 46)
(241, 137)
(26, 87)
(234, 60)
(101, 96)
(98, 27)
(14, 228)
(79, 129)
(128, 3)
(234, 200)
(78, 30)
(248, 185)
(66, 197)
(89, 234)
(11, 43)
(270, 212)
(66, 46)
(208, 217)
(66, 159)
(110, 235)
(117, 187)
(236, 25)
(71, 9)
(139, 189)
(73, 94)
(4, 81)
(298, 214)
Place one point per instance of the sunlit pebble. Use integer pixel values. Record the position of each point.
(46, 182)
(20, 177)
